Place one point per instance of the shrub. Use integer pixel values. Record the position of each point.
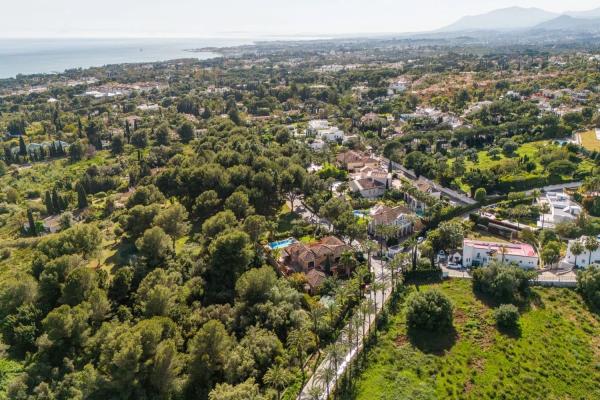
(588, 284)
(503, 283)
(429, 310)
(507, 316)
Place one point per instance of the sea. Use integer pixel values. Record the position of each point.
(34, 56)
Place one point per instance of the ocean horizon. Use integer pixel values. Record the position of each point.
(49, 56)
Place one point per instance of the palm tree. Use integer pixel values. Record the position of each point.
(316, 311)
(300, 341)
(336, 352)
(503, 251)
(278, 378)
(315, 392)
(577, 249)
(347, 261)
(544, 209)
(368, 309)
(326, 375)
(369, 246)
(591, 245)
(536, 195)
(375, 286)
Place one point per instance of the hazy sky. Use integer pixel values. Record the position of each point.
(243, 18)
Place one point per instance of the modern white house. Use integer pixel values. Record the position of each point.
(332, 134)
(480, 253)
(561, 209)
(322, 130)
(585, 258)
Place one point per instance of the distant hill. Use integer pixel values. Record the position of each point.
(595, 13)
(504, 19)
(568, 23)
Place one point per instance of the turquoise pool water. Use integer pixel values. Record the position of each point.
(282, 243)
(360, 214)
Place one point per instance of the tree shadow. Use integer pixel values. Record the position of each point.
(437, 343)
(513, 332)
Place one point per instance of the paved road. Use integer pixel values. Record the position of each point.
(315, 383)
(453, 195)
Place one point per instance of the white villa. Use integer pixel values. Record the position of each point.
(480, 253)
(370, 182)
(584, 259)
(562, 209)
(322, 130)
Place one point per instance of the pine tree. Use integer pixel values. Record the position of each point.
(82, 201)
(79, 128)
(49, 205)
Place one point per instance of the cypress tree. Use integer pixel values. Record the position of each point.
(32, 229)
(127, 131)
(49, 205)
(82, 201)
(22, 146)
(56, 201)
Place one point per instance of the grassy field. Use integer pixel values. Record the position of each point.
(531, 150)
(556, 355)
(589, 140)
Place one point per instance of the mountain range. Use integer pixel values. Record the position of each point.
(519, 18)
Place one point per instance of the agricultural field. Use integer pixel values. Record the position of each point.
(555, 355)
(589, 140)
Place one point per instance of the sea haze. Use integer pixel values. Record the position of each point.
(32, 56)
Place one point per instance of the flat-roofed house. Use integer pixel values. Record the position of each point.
(480, 253)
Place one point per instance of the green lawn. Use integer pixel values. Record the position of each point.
(556, 356)
(589, 141)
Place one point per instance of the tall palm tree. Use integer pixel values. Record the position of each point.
(368, 309)
(336, 352)
(278, 378)
(375, 286)
(591, 245)
(577, 249)
(347, 261)
(536, 195)
(369, 246)
(544, 209)
(315, 392)
(299, 341)
(326, 374)
(503, 251)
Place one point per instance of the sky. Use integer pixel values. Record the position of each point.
(244, 18)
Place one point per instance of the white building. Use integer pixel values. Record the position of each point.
(584, 259)
(562, 209)
(332, 134)
(317, 145)
(322, 130)
(480, 253)
(370, 182)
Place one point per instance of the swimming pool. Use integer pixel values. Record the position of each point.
(360, 214)
(282, 243)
